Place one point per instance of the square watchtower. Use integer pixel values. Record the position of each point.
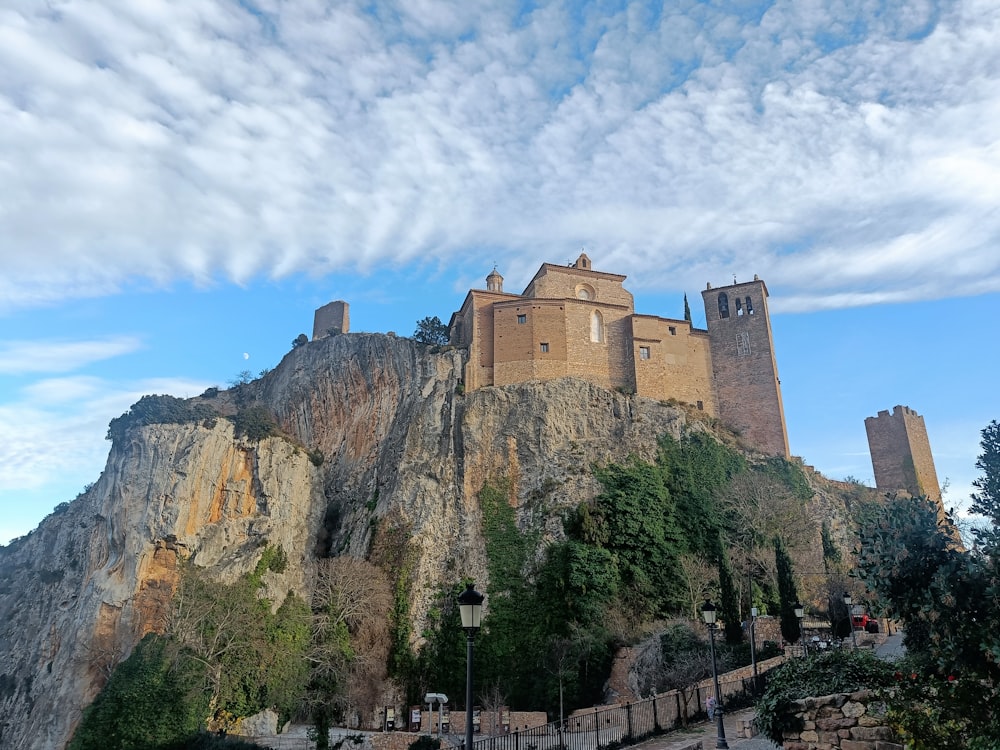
(744, 367)
(901, 453)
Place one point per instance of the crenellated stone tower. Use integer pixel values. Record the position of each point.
(901, 453)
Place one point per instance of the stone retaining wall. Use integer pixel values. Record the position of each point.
(844, 721)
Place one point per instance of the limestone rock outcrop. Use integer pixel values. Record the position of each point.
(399, 441)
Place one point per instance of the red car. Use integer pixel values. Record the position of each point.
(866, 623)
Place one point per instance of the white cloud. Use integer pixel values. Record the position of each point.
(20, 357)
(163, 141)
(57, 427)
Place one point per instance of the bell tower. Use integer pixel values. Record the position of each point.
(744, 367)
(494, 282)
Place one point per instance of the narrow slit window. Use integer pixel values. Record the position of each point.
(739, 307)
(749, 307)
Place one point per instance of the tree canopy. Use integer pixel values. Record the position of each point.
(431, 330)
(948, 599)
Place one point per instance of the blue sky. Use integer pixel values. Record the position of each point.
(181, 184)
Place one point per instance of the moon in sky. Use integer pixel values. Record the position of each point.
(246, 356)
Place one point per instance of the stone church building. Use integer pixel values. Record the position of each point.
(575, 321)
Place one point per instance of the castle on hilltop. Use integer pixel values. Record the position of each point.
(575, 321)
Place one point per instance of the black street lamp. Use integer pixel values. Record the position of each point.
(708, 612)
(470, 604)
(753, 647)
(848, 600)
(800, 613)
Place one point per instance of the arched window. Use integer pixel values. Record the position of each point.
(596, 326)
(723, 305)
(749, 307)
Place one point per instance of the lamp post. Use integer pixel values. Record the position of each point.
(753, 646)
(708, 612)
(848, 600)
(470, 604)
(800, 613)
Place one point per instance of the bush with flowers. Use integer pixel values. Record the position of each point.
(930, 711)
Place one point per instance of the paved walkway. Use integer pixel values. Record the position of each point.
(706, 734)
(892, 647)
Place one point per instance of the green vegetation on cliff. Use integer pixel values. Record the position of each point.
(224, 648)
(159, 410)
(651, 545)
(656, 540)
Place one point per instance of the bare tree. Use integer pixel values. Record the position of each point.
(762, 509)
(672, 658)
(351, 604)
(493, 699)
(698, 579)
(111, 641)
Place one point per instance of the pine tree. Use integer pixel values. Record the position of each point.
(687, 309)
(729, 599)
(986, 501)
(787, 594)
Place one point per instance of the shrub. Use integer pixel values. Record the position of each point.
(426, 742)
(931, 712)
(833, 672)
(158, 410)
(431, 330)
(255, 422)
(151, 700)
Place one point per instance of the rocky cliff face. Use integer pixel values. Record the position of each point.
(401, 445)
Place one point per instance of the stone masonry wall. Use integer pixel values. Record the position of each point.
(679, 362)
(335, 316)
(744, 365)
(901, 453)
(844, 721)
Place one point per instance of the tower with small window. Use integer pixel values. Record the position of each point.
(744, 367)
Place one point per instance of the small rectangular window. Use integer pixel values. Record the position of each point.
(544, 347)
(522, 318)
(673, 331)
(643, 352)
